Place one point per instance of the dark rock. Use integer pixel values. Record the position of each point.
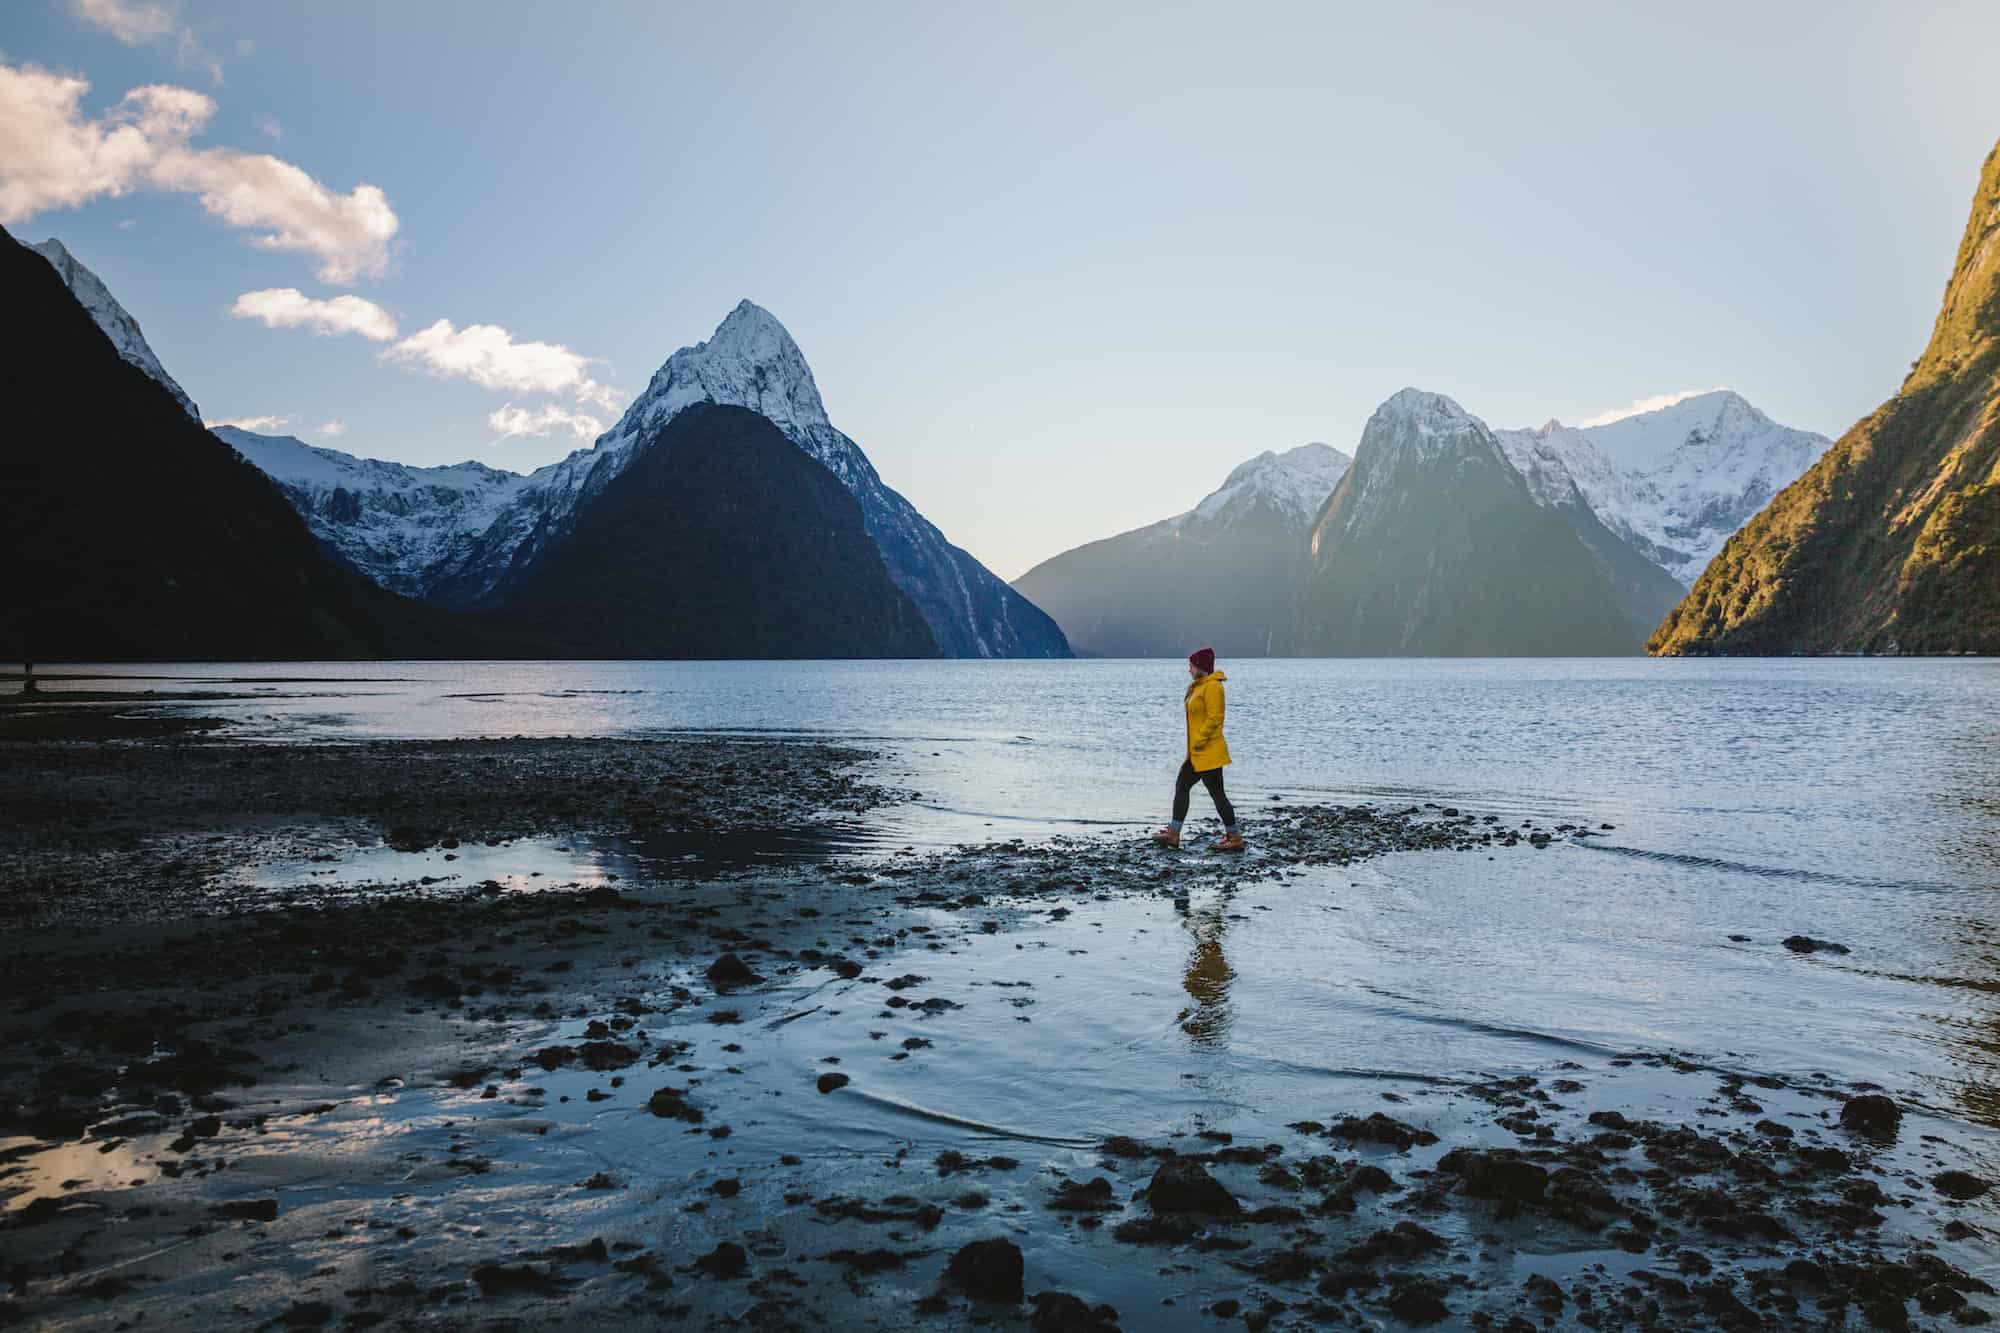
(1093, 1196)
(870, 1261)
(1872, 1114)
(249, 1210)
(1183, 1186)
(828, 1082)
(436, 986)
(1379, 1128)
(1499, 1173)
(1807, 944)
(1060, 1312)
(1418, 1301)
(494, 1278)
(1405, 1240)
(1543, 1293)
(1343, 1278)
(988, 1270)
(1959, 1185)
(728, 971)
(726, 1261)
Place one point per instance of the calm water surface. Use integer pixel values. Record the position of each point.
(1856, 801)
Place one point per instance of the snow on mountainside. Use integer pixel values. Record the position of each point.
(1677, 482)
(1295, 483)
(1414, 429)
(414, 530)
(114, 319)
(1225, 573)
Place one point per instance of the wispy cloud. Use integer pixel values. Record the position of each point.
(52, 156)
(511, 421)
(1653, 404)
(141, 22)
(249, 423)
(333, 429)
(487, 355)
(290, 308)
(270, 126)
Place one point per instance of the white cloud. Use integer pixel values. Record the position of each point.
(249, 423)
(290, 308)
(487, 355)
(53, 156)
(333, 429)
(138, 22)
(1653, 404)
(272, 129)
(511, 421)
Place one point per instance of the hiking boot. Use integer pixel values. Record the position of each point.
(1228, 842)
(1168, 837)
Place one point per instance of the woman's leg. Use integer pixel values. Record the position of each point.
(1213, 781)
(1183, 784)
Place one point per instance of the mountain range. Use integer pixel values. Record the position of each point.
(1225, 574)
(465, 535)
(1647, 500)
(1890, 542)
(1433, 544)
(701, 531)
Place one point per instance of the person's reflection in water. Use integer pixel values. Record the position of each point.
(1206, 979)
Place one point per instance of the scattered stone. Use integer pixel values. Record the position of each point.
(730, 971)
(1807, 944)
(988, 1270)
(727, 1261)
(1960, 1185)
(828, 1082)
(1060, 1312)
(1184, 1186)
(1379, 1128)
(1496, 1173)
(249, 1210)
(1872, 1114)
(1095, 1196)
(1418, 1300)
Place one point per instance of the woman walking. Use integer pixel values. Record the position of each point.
(1207, 752)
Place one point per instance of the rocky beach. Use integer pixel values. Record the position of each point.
(276, 1057)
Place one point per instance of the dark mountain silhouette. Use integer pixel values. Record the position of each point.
(129, 531)
(721, 539)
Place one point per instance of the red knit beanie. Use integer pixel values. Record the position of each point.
(1203, 660)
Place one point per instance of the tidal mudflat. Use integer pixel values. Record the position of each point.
(551, 1031)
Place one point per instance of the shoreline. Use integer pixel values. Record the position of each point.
(299, 1085)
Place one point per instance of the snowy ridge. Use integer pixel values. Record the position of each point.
(1676, 482)
(1413, 429)
(113, 318)
(414, 530)
(1295, 483)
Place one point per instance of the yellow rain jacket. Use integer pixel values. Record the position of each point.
(1206, 748)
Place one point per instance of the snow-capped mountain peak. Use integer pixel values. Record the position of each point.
(749, 361)
(1295, 482)
(113, 318)
(1675, 482)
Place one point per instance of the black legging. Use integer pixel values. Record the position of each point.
(1211, 779)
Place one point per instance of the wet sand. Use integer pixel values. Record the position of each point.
(624, 1096)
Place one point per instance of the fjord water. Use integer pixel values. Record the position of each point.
(1856, 801)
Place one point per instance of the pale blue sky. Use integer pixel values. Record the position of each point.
(1058, 268)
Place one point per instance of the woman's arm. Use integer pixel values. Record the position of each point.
(1211, 713)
